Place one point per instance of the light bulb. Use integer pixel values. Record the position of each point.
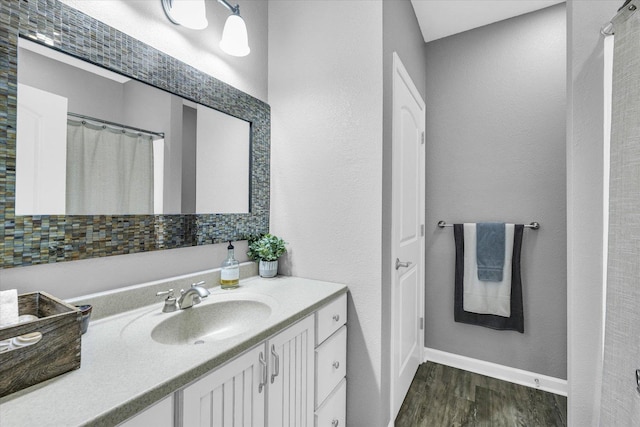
(235, 41)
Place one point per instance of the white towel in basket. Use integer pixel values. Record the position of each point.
(8, 307)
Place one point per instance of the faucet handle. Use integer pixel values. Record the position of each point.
(202, 282)
(170, 303)
(169, 293)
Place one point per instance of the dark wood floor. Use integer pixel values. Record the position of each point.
(442, 396)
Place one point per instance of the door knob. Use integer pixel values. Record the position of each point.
(402, 264)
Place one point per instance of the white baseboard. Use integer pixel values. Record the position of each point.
(501, 372)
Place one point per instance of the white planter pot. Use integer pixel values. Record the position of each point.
(268, 268)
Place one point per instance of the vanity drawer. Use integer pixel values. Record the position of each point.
(333, 413)
(331, 364)
(330, 317)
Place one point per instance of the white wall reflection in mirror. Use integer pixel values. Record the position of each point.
(193, 160)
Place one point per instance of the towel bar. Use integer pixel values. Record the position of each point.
(534, 225)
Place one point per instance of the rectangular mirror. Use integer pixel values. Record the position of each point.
(93, 142)
(44, 238)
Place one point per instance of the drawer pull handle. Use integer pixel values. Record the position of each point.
(276, 364)
(336, 364)
(263, 366)
(336, 317)
(335, 422)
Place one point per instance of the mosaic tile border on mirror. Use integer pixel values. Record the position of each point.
(30, 240)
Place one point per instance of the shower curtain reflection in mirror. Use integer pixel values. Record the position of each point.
(73, 166)
(108, 170)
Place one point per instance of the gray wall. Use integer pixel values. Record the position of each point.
(496, 152)
(325, 91)
(585, 172)
(146, 107)
(80, 87)
(401, 34)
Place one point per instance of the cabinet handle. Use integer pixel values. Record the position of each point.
(336, 317)
(276, 365)
(263, 366)
(336, 364)
(335, 422)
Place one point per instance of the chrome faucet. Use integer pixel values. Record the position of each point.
(188, 298)
(192, 296)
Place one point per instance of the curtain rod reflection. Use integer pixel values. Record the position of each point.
(118, 125)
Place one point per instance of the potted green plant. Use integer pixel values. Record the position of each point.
(267, 249)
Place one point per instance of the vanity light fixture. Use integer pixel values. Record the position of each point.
(234, 41)
(188, 13)
(192, 14)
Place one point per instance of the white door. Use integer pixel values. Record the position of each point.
(41, 152)
(407, 261)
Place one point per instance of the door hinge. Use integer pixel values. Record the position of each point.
(421, 323)
(422, 230)
(422, 139)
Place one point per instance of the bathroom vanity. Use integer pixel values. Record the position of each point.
(271, 353)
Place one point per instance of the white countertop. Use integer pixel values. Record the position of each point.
(124, 371)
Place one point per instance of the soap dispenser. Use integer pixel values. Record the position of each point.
(230, 271)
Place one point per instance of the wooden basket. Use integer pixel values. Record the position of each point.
(56, 353)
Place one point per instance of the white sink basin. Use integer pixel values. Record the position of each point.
(210, 322)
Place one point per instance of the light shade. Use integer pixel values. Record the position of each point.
(188, 13)
(234, 37)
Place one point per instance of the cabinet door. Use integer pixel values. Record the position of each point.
(291, 376)
(230, 396)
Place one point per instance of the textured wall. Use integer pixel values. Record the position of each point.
(325, 88)
(496, 152)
